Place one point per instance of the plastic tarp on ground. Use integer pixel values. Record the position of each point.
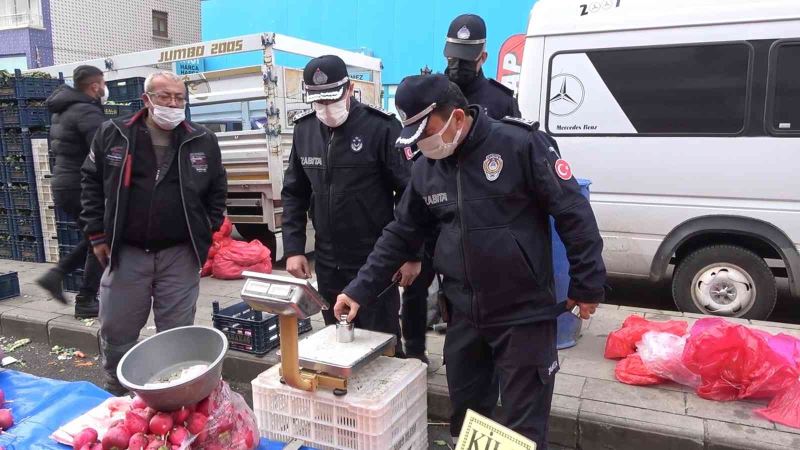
(41, 405)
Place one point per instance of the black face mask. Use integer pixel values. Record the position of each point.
(461, 71)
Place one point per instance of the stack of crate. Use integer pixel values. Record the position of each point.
(124, 97)
(23, 119)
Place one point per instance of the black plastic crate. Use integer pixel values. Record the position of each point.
(247, 330)
(6, 224)
(73, 281)
(17, 144)
(19, 172)
(23, 87)
(21, 197)
(9, 285)
(114, 111)
(25, 114)
(29, 250)
(7, 250)
(68, 233)
(27, 224)
(303, 326)
(126, 89)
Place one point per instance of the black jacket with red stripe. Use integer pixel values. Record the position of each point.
(110, 204)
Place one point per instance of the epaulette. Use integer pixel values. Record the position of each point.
(380, 111)
(520, 122)
(303, 115)
(502, 86)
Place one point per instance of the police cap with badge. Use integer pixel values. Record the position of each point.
(416, 98)
(466, 38)
(325, 79)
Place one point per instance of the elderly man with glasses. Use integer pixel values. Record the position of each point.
(154, 191)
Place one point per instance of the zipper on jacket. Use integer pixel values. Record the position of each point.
(464, 238)
(150, 210)
(329, 177)
(119, 188)
(183, 201)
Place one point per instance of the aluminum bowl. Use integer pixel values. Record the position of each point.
(169, 352)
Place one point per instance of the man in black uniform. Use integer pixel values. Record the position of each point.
(490, 186)
(344, 157)
(465, 51)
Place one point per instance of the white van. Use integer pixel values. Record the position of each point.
(685, 114)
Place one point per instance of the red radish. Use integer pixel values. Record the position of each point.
(135, 423)
(138, 442)
(205, 407)
(181, 415)
(178, 435)
(197, 421)
(87, 436)
(225, 424)
(97, 446)
(157, 445)
(138, 403)
(248, 439)
(160, 424)
(6, 419)
(86, 447)
(116, 438)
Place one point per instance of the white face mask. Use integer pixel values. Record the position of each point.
(333, 114)
(166, 117)
(434, 147)
(104, 98)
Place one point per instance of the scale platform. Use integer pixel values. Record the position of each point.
(321, 352)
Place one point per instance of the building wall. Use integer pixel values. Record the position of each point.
(88, 29)
(406, 34)
(34, 43)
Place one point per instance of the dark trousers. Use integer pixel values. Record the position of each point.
(414, 317)
(82, 255)
(382, 315)
(524, 360)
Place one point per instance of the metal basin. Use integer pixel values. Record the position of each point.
(170, 352)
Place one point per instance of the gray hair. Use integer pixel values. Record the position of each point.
(171, 76)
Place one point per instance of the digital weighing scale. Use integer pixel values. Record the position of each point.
(320, 359)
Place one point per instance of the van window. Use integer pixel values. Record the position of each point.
(677, 90)
(786, 88)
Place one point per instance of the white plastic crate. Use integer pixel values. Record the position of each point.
(385, 408)
(41, 160)
(51, 249)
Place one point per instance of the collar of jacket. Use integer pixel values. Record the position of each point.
(475, 85)
(185, 131)
(477, 133)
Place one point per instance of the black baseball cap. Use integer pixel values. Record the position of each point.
(83, 73)
(466, 37)
(325, 78)
(416, 98)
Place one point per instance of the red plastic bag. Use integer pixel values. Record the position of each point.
(735, 362)
(632, 370)
(231, 424)
(662, 354)
(219, 239)
(224, 231)
(784, 408)
(622, 342)
(236, 257)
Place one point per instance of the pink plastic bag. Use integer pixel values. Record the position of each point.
(632, 370)
(237, 257)
(622, 342)
(231, 424)
(662, 354)
(784, 408)
(735, 362)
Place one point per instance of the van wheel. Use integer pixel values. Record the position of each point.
(260, 231)
(727, 281)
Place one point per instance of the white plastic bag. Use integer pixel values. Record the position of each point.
(662, 354)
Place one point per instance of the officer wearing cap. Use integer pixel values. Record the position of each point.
(465, 51)
(344, 158)
(490, 186)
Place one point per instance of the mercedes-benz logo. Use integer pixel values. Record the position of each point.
(569, 96)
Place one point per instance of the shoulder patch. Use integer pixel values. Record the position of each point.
(303, 115)
(520, 122)
(379, 111)
(502, 86)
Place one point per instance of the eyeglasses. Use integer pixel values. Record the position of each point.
(164, 97)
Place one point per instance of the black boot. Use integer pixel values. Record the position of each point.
(86, 306)
(51, 282)
(114, 387)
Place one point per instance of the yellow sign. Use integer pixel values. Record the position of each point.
(480, 433)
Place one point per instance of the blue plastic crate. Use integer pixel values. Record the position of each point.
(73, 281)
(126, 89)
(27, 224)
(247, 330)
(114, 111)
(29, 250)
(7, 250)
(19, 172)
(18, 143)
(68, 233)
(21, 87)
(6, 224)
(21, 197)
(23, 114)
(9, 285)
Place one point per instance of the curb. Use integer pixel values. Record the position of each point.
(574, 423)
